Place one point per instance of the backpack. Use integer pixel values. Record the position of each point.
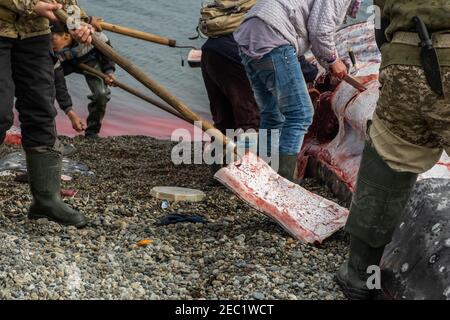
(223, 17)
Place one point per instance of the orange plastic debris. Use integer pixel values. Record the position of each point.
(144, 242)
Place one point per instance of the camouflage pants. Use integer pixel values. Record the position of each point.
(411, 125)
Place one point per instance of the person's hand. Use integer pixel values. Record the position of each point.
(77, 124)
(339, 69)
(46, 10)
(96, 22)
(110, 81)
(83, 34)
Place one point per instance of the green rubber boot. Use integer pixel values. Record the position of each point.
(44, 174)
(2, 155)
(288, 165)
(2, 151)
(211, 181)
(380, 199)
(353, 276)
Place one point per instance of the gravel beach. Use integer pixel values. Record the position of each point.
(238, 254)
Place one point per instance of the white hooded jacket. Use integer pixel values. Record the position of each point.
(306, 24)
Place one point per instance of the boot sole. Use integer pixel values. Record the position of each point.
(351, 293)
(78, 225)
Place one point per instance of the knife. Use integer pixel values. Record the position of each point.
(354, 83)
(430, 58)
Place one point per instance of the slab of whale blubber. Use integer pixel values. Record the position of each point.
(307, 216)
(177, 194)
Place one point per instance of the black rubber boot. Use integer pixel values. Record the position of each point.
(353, 276)
(380, 198)
(2, 151)
(44, 174)
(211, 181)
(288, 165)
(91, 136)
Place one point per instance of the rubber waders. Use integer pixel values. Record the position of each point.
(2, 155)
(2, 151)
(288, 165)
(44, 173)
(353, 276)
(380, 198)
(213, 182)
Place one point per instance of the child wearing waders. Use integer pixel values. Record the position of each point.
(68, 54)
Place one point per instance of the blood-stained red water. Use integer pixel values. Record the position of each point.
(119, 122)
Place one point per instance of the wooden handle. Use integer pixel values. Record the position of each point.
(131, 90)
(148, 82)
(138, 34)
(351, 53)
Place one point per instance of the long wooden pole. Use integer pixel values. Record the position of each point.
(137, 34)
(151, 84)
(130, 90)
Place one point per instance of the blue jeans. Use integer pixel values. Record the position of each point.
(282, 96)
